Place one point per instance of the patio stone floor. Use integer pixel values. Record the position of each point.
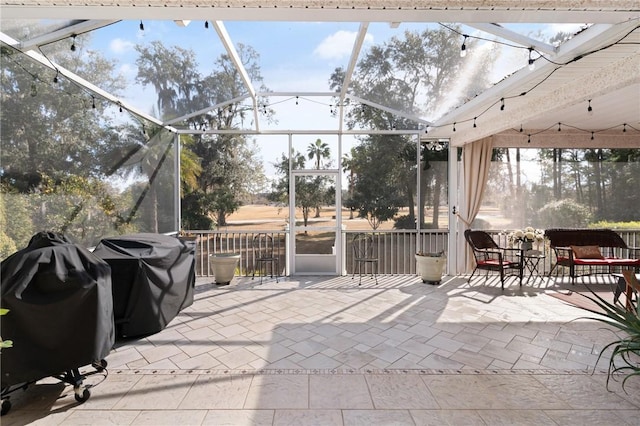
(325, 351)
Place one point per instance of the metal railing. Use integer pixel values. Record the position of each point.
(395, 249)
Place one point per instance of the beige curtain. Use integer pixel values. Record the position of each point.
(476, 160)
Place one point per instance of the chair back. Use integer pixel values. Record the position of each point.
(263, 247)
(480, 240)
(363, 246)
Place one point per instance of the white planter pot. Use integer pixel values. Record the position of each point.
(430, 269)
(224, 267)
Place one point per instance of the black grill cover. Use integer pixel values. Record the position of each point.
(60, 309)
(153, 277)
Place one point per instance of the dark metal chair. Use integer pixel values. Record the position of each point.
(489, 256)
(264, 254)
(363, 255)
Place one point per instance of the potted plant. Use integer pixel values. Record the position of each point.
(625, 354)
(224, 266)
(430, 266)
(526, 237)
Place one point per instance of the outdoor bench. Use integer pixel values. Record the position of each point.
(591, 251)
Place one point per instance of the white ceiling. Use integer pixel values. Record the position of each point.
(610, 78)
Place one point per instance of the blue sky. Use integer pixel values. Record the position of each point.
(294, 56)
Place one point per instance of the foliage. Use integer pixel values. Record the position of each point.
(410, 73)
(603, 224)
(228, 165)
(564, 213)
(625, 355)
(69, 164)
(311, 191)
(404, 222)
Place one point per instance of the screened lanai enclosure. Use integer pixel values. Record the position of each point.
(313, 122)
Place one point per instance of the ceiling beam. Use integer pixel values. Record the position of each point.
(463, 11)
(355, 52)
(520, 39)
(237, 62)
(76, 28)
(82, 82)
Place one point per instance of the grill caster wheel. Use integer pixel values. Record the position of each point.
(100, 365)
(82, 396)
(6, 406)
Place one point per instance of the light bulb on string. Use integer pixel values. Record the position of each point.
(592, 133)
(474, 122)
(73, 43)
(463, 48)
(590, 108)
(521, 130)
(206, 25)
(93, 102)
(141, 26)
(532, 63)
(529, 138)
(501, 104)
(624, 128)
(296, 100)
(55, 78)
(454, 126)
(559, 129)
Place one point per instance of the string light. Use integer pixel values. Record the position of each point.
(529, 138)
(93, 102)
(559, 127)
(206, 25)
(55, 78)
(502, 104)
(141, 26)
(463, 48)
(589, 108)
(474, 122)
(296, 100)
(592, 133)
(624, 128)
(454, 126)
(521, 130)
(532, 64)
(73, 43)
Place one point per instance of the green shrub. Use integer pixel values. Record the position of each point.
(564, 214)
(615, 225)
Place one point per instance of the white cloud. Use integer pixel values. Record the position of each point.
(120, 46)
(128, 71)
(338, 45)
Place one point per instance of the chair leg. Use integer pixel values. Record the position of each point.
(502, 278)
(474, 271)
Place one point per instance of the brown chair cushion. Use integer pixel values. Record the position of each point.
(587, 252)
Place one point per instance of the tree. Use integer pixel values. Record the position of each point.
(310, 190)
(318, 150)
(60, 146)
(228, 164)
(413, 74)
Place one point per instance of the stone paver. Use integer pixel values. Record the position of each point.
(324, 350)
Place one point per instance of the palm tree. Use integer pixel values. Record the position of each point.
(319, 150)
